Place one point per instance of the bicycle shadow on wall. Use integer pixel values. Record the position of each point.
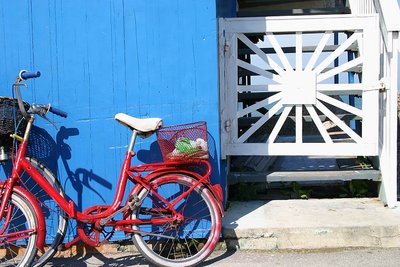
(80, 178)
(46, 150)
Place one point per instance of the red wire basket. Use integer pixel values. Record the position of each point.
(184, 142)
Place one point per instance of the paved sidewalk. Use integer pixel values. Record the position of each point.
(311, 224)
(388, 257)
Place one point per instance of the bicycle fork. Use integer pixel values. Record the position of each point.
(6, 190)
(4, 210)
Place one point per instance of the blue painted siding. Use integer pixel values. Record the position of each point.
(98, 58)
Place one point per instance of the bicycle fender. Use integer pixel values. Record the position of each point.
(215, 190)
(41, 231)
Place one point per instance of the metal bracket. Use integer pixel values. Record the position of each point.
(17, 137)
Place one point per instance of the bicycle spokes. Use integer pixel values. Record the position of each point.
(7, 215)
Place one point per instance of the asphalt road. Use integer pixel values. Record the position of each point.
(321, 258)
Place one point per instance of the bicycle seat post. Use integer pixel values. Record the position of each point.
(132, 142)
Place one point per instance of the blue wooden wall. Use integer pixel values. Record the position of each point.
(97, 58)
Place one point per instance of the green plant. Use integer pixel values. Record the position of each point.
(363, 162)
(296, 191)
(355, 188)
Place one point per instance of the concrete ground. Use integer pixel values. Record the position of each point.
(388, 257)
(311, 224)
(270, 229)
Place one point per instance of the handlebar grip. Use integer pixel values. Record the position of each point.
(58, 112)
(24, 75)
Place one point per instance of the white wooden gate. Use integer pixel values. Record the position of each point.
(287, 85)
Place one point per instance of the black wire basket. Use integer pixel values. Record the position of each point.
(10, 119)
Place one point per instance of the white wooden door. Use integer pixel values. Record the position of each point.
(299, 85)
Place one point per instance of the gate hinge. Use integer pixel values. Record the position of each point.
(228, 126)
(226, 47)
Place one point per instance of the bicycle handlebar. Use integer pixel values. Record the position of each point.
(25, 75)
(41, 110)
(58, 112)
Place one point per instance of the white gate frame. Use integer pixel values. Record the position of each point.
(231, 30)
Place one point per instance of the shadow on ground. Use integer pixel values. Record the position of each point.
(119, 259)
(99, 259)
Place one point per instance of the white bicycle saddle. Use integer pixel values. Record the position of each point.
(144, 127)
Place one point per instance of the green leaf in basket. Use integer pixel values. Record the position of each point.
(183, 144)
(186, 146)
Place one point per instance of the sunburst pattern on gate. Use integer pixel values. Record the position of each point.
(301, 87)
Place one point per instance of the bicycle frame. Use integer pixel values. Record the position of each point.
(134, 174)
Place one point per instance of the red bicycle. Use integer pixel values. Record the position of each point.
(173, 213)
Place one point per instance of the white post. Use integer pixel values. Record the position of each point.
(388, 158)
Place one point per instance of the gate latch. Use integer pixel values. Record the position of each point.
(383, 85)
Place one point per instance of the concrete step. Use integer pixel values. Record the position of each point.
(303, 176)
(311, 224)
(295, 168)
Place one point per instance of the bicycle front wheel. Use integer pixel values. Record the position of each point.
(184, 242)
(56, 219)
(18, 240)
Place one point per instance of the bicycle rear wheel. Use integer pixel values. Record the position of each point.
(179, 243)
(56, 219)
(18, 241)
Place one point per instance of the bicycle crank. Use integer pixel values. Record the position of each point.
(92, 234)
